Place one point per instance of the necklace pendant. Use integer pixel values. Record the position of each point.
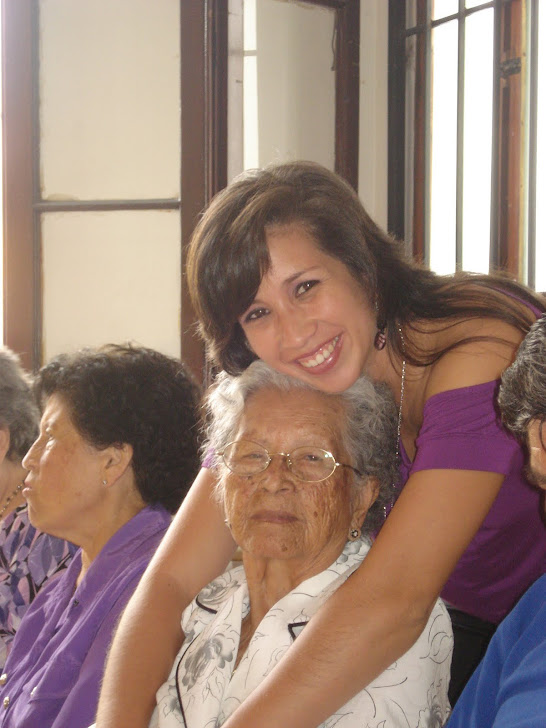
(10, 498)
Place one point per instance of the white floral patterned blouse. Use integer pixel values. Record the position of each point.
(203, 688)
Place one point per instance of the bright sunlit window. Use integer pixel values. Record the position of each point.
(475, 112)
(443, 185)
(478, 120)
(477, 101)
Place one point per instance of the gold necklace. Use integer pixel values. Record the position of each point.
(10, 498)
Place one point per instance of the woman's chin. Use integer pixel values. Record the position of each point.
(33, 517)
(271, 549)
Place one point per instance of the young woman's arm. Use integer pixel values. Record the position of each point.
(196, 548)
(367, 624)
(380, 611)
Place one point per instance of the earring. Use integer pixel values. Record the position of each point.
(105, 482)
(380, 339)
(354, 534)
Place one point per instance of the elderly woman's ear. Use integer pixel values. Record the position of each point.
(364, 498)
(117, 461)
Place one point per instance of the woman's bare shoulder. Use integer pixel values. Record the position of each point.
(488, 347)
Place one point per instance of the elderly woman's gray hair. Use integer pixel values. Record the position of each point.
(18, 409)
(368, 432)
(522, 394)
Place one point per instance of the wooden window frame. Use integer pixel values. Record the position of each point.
(507, 180)
(21, 297)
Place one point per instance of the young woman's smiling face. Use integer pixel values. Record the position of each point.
(310, 318)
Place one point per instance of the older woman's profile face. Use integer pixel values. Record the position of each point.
(65, 474)
(274, 514)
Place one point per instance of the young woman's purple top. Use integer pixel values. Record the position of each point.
(462, 431)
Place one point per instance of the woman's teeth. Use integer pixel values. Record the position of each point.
(321, 356)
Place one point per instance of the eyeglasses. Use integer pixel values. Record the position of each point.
(311, 464)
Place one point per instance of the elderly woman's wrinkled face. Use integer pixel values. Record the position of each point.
(63, 485)
(275, 515)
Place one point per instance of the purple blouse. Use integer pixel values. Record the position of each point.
(53, 673)
(461, 430)
(28, 559)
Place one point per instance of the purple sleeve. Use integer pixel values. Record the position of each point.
(462, 430)
(28, 559)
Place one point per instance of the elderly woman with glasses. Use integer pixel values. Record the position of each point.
(303, 476)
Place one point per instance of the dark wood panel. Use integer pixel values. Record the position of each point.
(193, 16)
(20, 284)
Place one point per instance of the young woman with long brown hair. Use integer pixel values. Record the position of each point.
(286, 266)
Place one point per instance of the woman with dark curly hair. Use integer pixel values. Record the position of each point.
(28, 557)
(116, 453)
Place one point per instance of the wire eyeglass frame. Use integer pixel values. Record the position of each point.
(288, 457)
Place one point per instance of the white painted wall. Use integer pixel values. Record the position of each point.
(111, 276)
(110, 129)
(296, 83)
(297, 116)
(109, 99)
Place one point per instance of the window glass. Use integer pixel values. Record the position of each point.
(474, 3)
(478, 119)
(443, 193)
(493, 185)
(442, 8)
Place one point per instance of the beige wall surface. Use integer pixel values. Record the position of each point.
(110, 129)
(296, 82)
(111, 276)
(109, 99)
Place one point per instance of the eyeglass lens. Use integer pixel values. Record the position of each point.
(312, 464)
